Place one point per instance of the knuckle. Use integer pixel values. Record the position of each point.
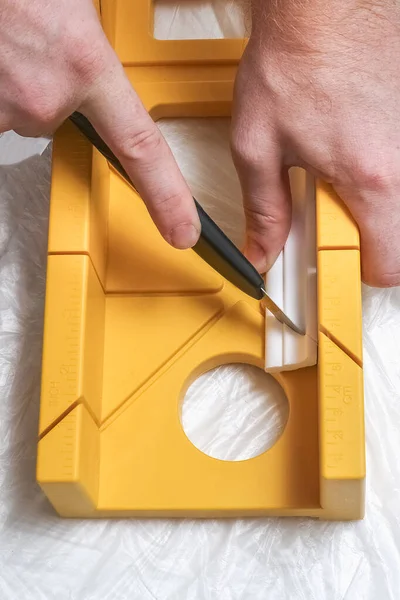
(268, 218)
(39, 100)
(141, 145)
(382, 280)
(245, 150)
(88, 60)
(86, 49)
(42, 110)
(169, 202)
(375, 174)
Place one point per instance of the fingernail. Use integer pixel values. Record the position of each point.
(256, 255)
(184, 236)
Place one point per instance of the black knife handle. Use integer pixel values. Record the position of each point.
(222, 254)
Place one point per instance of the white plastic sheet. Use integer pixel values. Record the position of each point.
(43, 557)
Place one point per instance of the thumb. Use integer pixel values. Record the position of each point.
(120, 118)
(377, 214)
(266, 196)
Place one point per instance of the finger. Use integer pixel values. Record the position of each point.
(378, 219)
(266, 198)
(118, 115)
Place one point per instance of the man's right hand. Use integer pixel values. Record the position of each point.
(55, 59)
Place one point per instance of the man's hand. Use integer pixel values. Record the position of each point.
(319, 87)
(55, 59)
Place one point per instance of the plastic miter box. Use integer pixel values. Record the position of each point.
(130, 322)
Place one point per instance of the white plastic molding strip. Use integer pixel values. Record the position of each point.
(292, 284)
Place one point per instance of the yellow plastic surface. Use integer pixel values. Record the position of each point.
(131, 322)
(129, 27)
(340, 299)
(335, 224)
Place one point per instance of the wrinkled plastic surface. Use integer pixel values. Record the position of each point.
(232, 413)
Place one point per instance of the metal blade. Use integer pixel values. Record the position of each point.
(279, 314)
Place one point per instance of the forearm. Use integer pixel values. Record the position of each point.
(301, 25)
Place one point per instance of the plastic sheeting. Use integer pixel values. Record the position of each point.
(232, 413)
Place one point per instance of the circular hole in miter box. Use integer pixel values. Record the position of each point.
(234, 412)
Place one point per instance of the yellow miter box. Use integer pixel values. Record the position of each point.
(130, 322)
